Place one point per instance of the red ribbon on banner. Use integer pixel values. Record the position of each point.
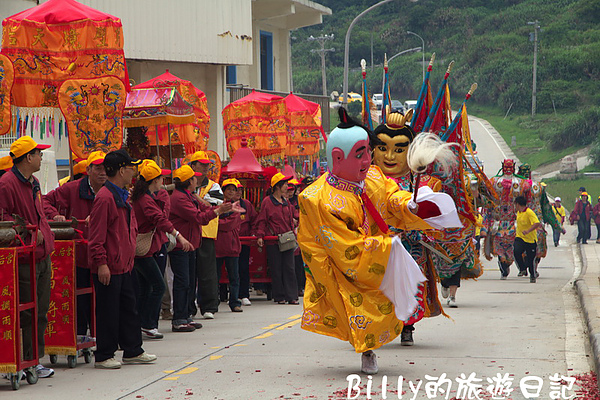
(60, 335)
(8, 310)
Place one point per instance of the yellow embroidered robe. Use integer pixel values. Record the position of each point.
(347, 257)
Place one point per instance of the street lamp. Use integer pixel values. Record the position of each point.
(422, 47)
(536, 27)
(347, 45)
(404, 52)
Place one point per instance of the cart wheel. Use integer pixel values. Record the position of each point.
(72, 361)
(15, 380)
(87, 356)
(53, 359)
(32, 375)
(269, 292)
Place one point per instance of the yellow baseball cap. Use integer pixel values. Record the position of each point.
(184, 173)
(96, 157)
(294, 182)
(584, 193)
(232, 181)
(24, 145)
(6, 163)
(201, 157)
(80, 167)
(278, 177)
(149, 169)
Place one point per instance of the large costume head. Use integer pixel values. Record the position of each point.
(348, 153)
(390, 142)
(525, 171)
(508, 167)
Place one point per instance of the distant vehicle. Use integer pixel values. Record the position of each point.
(397, 105)
(410, 104)
(378, 100)
(351, 97)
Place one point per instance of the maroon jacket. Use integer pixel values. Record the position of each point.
(150, 215)
(228, 238)
(73, 199)
(188, 215)
(24, 198)
(578, 210)
(112, 232)
(248, 218)
(596, 213)
(274, 217)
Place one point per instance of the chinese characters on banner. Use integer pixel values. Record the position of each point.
(61, 329)
(8, 310)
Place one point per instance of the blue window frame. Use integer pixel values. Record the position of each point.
(266, 60)
(231, 74)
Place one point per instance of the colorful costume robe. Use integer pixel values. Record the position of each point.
(499, 221)
(346, 256)
(537, 201)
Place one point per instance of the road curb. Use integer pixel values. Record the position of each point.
(590, 313)
(498, 138)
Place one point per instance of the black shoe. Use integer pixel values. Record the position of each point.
(196, 325)
(555, 244)
(522, 273)
(406, 338)
(183, 328)
(537, 275)
(584, 242)
(532, 280)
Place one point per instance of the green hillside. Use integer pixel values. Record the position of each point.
(489, 40)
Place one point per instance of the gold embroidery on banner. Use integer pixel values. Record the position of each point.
(101, 36)
(39, 38)
(71, 38)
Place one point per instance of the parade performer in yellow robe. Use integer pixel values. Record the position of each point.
(361, 282)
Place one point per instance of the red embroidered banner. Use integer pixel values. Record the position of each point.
(60, 333)
(8, 310)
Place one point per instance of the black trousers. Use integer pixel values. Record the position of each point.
(583, 230)
(84, 301)
(244, 264)
(283, 273)
(527, 263)
(206, 275)
(117, 321)
(300, 274)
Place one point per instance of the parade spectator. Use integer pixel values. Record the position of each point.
(246, 229)
(188, 214)
(79, 170)
(525, 242)
(20, 194)
(6, 163)
(589, 198)
(596, 214)
(293, 192)
(582, 213)
(112, 241)
(228, 246)
(74, 199)
(151, 217)
(559, 213)
(210, 194)
(276, 218)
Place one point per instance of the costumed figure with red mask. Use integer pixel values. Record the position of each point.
(390, 142)
(499, 220)
(361, 281)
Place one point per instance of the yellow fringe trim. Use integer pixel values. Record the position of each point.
(8, 368)
(68, 351)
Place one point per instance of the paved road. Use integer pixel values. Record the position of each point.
(500, 327)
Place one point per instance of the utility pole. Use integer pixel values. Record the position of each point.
(372, 51)
(292, 38)
(536, 28)
(322, 39)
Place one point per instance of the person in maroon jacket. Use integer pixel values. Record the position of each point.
(188, 214)
(596, 216)
(151, 218)
(246, 229)
(228, 245)
(74, 199)
(111, 250)
(582, 213)
(20, 194)
(276, 217)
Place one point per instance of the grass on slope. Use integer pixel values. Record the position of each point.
(567, 190)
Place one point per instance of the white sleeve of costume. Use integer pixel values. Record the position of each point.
(401, 280)
(213, 201)
(448, 217)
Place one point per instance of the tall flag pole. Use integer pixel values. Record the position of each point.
(366, 104)
(424, 101)
(439, 117)
(386, 90)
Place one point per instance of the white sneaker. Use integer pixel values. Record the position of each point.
(44, 372)
(445, 292)
(143, 358)
(151, 334)
(452, 302)
(369, 363)
(208, 315)
(246, 302)
(110, 363)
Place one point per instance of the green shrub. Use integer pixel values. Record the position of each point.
(578, 129)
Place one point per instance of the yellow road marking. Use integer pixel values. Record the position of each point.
(216, 347)
(168, 372)
(188, 362)
(237, 345)
(171, 378)
(264, 335)
(270, 326)
(295, 316)
(289, 324)
(187, 370)
(212, 358)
